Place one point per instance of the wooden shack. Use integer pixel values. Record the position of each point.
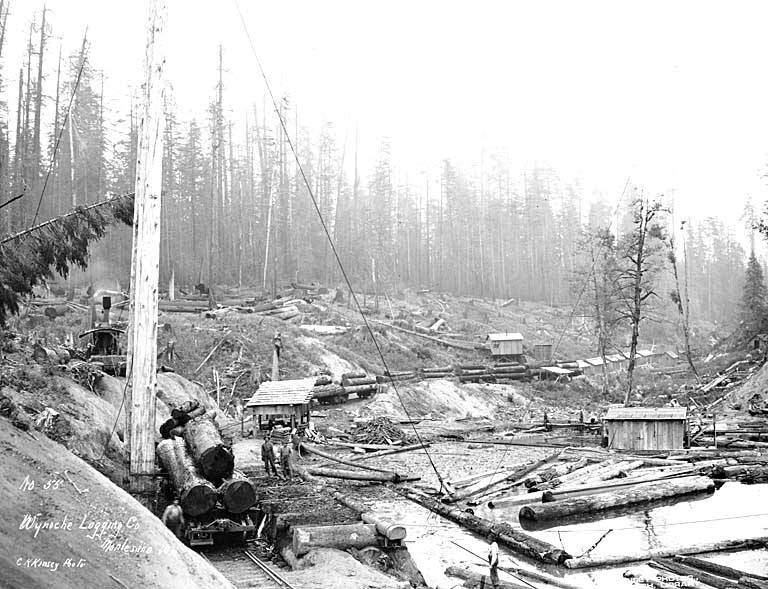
(283, 402)
(506, 344)
(542, 352)
(646, 428)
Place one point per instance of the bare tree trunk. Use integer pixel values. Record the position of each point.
(36, 155)
(681, 310)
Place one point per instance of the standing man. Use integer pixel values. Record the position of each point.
(493, 562)
(296, 442)
(268, 455)
(173, 518)
(286, 461)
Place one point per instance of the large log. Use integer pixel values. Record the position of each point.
(328, 390)
(389, 477)
(237, 493)
(516, 474)
(358, 389)
(505, 534)
(578, 491)
(641, 493)
(341, 537)
(389, 451)
(205, 444)
(718, 569)
(197, 496)
(468, 347)
(656, 553)
(664, 564)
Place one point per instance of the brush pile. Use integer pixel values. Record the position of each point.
(380, 430)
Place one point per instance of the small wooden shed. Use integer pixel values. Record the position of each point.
(506, 344)
(646, 428)
(542, 352)
(285, 401)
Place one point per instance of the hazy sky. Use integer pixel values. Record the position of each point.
(673, 94)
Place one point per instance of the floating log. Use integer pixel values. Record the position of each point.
(197, 496)
(389, 477)
(474, 580)
(645, 580)
(516, 474)
(640, 493)
(688, 571)
(505, 534)
(206, 447)
(578, 491)
(718, 569)
(237, 492)
(656, 553)
(331, 457)
(341, 537)
(551, 475)
(389, 451)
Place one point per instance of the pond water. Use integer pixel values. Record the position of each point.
(733, 512)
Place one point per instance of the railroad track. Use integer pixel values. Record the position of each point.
(245, 570)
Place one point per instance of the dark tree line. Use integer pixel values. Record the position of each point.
(236, 209)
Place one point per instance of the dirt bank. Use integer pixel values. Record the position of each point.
(65, 525)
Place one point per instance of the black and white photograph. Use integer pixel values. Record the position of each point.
(348, 294)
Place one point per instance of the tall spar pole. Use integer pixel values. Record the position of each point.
(145, 262)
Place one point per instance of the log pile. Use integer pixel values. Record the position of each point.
(196, 494)
(437, 372)
(360, 383)
(380, 430)
(197, 462)
(329, 393)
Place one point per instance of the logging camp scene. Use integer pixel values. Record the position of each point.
(350, 295)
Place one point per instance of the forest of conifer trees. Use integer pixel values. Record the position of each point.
(236, 210)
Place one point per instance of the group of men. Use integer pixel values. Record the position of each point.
(286, 452)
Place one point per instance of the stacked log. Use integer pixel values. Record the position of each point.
(474, 373)
(197, 495)
(397, 376)
(237, 493)
(329, 393)
(204, 440)
(323, 380)
(359, 383)
(510, 371)
(437, 372)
